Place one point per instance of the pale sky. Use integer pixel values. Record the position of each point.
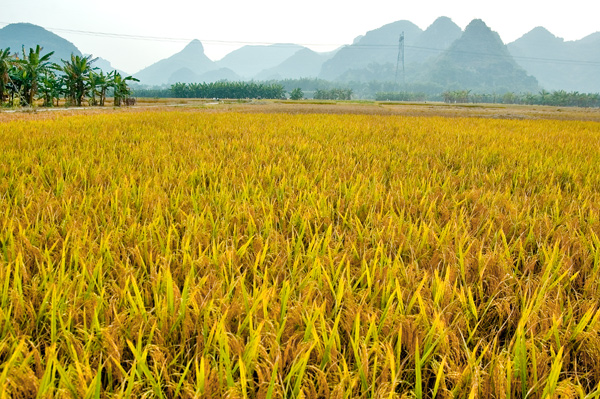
(164, 28)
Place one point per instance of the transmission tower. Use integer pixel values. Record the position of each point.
(400, 59)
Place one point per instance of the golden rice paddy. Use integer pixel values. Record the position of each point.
(185, 254)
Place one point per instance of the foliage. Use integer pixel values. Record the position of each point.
(296, 94)
(77, 72)
(31, 68)
(195, 255)
(121, 90)
(6, 62)
(32, 77)
(227, 90)
(50, 88)
(555, 98)
(387, 91)
(400, 96)
(333, 94)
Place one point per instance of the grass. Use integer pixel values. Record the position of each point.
(187, 254)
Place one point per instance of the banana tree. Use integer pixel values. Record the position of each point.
(6, 61)
(77, 72)
(100, 83)
(50, 88)
(32, 67)
(121, 90)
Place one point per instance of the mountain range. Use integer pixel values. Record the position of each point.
(442, 56)
(559, 64)
(23, 36)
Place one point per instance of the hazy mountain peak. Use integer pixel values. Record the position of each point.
(534, 50)
(388, 34)
(26, 35)
(249, 60)
(304, 63)
(377, 46)
(434, 40)
(479, 60)
(442, 21)
(477, 26)
(540, 34)
(478, 37)
(187, 63)
(195, 45)
(442, 32)
(594, 37)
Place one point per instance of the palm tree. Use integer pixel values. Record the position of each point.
(6, 61)
(77, 72)
(93, 82)
(32, 67)
(103, 83)
(121, 90)
(15, 83)
(179, 90)
(50, 88)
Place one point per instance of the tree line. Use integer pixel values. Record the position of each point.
(223, 89)
(400, 96)
(32, 76)
(333, 94)
(560, 98)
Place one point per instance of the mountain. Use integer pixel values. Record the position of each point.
(304, 63)
(441, 57)
(559, 64)
(186, 75)
(219, 74)
(593, 38)
(480, 61)
(379, 46)
(183, 75)
(249, 60)
(105, 65)
(191, 57)
(18, 35)
(435, 39)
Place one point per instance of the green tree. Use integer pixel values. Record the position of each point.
(179, 90)
(296, 94)
(32, 67)
(6, 61)
(121, 89)
(50, 88)
(77, 72)
(103, 83)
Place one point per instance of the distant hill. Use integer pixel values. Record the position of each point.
(304, 63)
(434, 40)
(379, 46)
(559, 64)
(18, 35)
(186, 75)
(219, 74)
(106, 66)
(250, 60)
(192, 58)
(479, 61)
(441, 56)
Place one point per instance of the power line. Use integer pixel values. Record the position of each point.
(345, 46)
(180, 39)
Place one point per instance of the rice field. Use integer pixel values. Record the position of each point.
(177, 254)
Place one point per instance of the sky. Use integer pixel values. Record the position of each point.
(133, 34)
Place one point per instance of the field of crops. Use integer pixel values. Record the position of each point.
(248, 255)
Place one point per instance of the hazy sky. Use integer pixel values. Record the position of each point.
(164, 28)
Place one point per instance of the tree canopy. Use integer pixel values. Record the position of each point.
(31, 76)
